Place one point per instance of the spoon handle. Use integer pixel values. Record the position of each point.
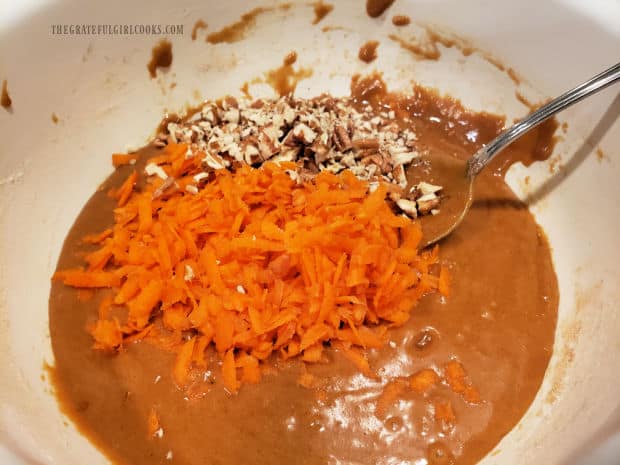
(476, 163)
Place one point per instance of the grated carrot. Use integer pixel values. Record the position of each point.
(277, 268)
(124, 192)
(456, 377)
(153, 424)
(423, 380)
(97, 238)
(391, 392)
(445, 279)
(120, 159)
(444, 412)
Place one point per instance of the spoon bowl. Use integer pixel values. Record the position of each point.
(443, 170)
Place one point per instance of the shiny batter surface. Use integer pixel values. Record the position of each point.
(499, 321)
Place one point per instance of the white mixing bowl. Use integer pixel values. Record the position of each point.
(99, 88)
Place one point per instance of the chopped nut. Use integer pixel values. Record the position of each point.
(398, 173)
(200, 176)
(372, 160)
(408, 207)
(334, 167)
(191, 189)
(426, 203)
(151, 169)
(426, 188)
(402, 155)
(266, 145)
(189, 273)
(321, 152)
(289, 154)
(230, 102)
(304, 134)
(214, 161)
(167, 184)
(252, 155)
(294, 175)
(341, 138)
(367, 143)
(232, 115)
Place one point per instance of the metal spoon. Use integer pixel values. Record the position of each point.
(459, 175)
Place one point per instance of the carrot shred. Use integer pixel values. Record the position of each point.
(120, 159)
(423, 380)
(97, 238)
(472, 395)
(456, 377)
(229, 372)
(307, 380)
(153, 424)
(445, 279)
(124, 192)
(389, 395)
(256, 265)
(107, 334)
(444, 412)
(87, 279)
(183, 362)
(359, 359)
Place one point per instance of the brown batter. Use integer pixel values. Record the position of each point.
(239, 29)
(425, 50)
(198, 25)
(321, 10)
(284, 79)
(161, 57)
(5, 98)
(375, 8)
(290, 58)
(368, 51)
(499, 321)
(401, 20)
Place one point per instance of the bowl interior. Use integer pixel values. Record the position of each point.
(105, 101)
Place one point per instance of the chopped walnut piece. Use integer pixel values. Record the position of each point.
(366, 143)
(167, 184)
(304, 134)
(398, 173)
(426, 203)
(252, 155)
(426, 188)
(341, 138)
(266, 145)
(214, 161)
(408, 207)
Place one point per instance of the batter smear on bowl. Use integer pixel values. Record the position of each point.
(259, 290)
(5, 99)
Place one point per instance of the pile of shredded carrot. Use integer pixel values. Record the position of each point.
(254, 264)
